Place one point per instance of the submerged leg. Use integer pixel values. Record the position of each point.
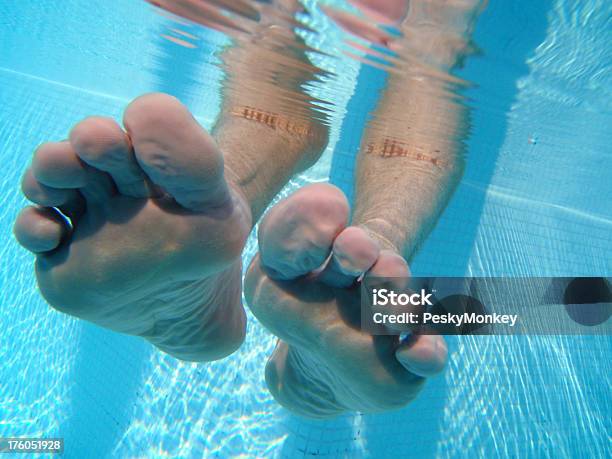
(410, 162)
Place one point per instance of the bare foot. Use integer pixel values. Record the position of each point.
(323, 363)
(153, 248)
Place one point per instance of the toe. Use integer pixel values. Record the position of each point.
(391, 272)
(354, 252)
(40, 229)
(423, 355)
(176, 152)
(297, 234)
(68, 200)
(56, 165)
(390, 264)
(101, 143)
(391, 269)
(44, 195)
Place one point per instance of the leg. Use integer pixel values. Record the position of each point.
(266, 73)
(324, 364)
(141, 230)
(412, 158)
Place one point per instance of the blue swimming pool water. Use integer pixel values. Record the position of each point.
(536, 199)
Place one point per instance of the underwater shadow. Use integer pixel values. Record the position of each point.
(107, 377)
(506, 49)
(508, 34)
(109, 368)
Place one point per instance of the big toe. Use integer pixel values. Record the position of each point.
(175, 151)
(297, 235)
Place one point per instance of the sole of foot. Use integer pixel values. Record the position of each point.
(302, 287)
(137, 230)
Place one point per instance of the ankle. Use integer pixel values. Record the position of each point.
(260, 158)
